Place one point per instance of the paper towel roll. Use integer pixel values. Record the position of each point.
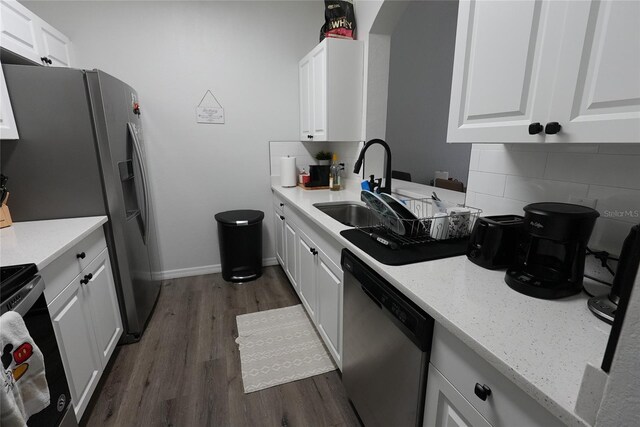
(288, 172)
(441, 174)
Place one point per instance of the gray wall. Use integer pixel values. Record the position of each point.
(420, 70)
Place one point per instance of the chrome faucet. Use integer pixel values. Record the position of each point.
(387, 174)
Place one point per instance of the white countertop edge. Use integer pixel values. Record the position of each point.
(565, 414)
(73, 231)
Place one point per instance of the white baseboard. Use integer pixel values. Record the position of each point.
(199, 271)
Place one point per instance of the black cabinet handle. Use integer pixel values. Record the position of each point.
(281, 217)
(535, 128)
(482, 391)
(86, 279)
(81, 255)
(281, 204)
(552, 128)
(310, 136)
(46, 60)
(313, 251)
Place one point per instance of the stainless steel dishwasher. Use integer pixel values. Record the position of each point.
(387, 340)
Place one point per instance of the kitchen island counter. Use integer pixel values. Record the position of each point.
(543, 346)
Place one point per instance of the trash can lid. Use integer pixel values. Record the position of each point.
(240, 217)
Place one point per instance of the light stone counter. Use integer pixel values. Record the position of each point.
(41, 242)
(543, 346)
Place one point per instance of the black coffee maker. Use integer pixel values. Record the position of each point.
(552, 263)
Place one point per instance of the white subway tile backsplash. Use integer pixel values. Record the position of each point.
(538, 190)
(609, 173)
(475, 158)
(616, 203)
(608, 235)
(487, 183)
(601, 169)
(619, 149)
(555, 148)
(494, 205)
(522, 163)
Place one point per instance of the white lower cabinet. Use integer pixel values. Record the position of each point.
(329, 312)
(291, 253)
(456, 371)
(312, 265)
(279, 222)
(71, 316)
(446, 407)
(85, 314)
(307, 281)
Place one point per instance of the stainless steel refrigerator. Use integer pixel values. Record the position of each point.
(81, 153)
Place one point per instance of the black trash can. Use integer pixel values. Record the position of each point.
(240, 238)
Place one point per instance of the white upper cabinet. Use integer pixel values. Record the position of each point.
(330, 78)
(520, 67)
(597, 94)
(25, 34)
(19, 31)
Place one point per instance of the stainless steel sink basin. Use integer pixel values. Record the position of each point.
(348, 213)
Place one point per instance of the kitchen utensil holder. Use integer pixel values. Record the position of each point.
(435, 221)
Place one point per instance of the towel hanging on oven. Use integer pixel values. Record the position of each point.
(24, 386)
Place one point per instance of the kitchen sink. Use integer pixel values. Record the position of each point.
(352, 214)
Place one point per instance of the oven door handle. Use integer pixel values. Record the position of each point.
(30, 295)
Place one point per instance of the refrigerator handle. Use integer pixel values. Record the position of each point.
(138, 149)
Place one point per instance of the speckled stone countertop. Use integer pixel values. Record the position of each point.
(543, 346)
(41, 242)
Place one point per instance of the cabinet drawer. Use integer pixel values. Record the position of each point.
(507, 405)
(278, 203)
(67, 266)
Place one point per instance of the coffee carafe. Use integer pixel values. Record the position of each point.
(552, 262)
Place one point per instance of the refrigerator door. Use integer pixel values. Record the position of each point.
(53, 168)
(123, 164)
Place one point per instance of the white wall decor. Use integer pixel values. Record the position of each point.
(209, 110)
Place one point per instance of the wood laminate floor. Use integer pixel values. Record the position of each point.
(186, 369)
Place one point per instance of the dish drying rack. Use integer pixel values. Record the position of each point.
(436, 220)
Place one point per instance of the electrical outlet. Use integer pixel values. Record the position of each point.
(590, 203)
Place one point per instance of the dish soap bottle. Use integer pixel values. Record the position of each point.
(335, 180)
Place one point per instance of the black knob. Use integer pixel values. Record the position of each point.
(552, 128)
(81, 255)
(86, 279)
(313, 251)
(535, 128)
(281, 204)
(49, 61)
(310, 136)
(482, 391)
(281, 217)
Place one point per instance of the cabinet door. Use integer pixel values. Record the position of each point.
(498, 88)
(445, 407)
(100, 293)
(319, 98)
(307, 279)
(19, 32)
(8, 128)
(597, 94)
(306, 107)
(290, 242)
(279, 221)
(55, 46)
(329, 291)
(71, 318)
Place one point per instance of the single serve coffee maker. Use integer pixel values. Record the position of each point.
(552, 262)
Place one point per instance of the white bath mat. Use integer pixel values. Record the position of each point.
(279, 346)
